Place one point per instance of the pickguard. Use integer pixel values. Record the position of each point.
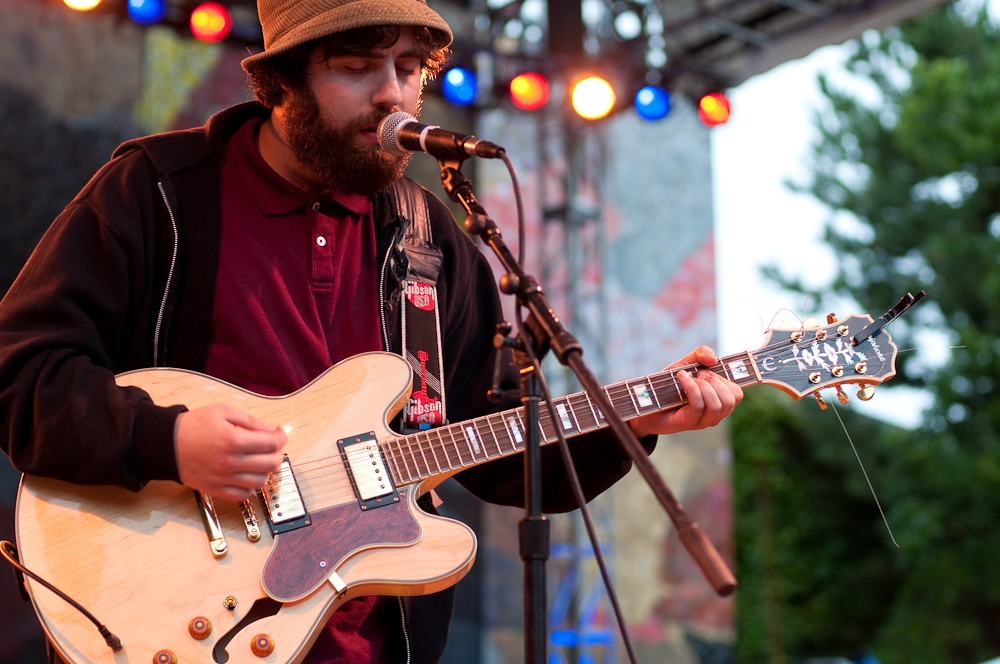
(302, 559)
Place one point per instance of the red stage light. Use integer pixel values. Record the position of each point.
(211, 22)
(713, 109)
(529, 91)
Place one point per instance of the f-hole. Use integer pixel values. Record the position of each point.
(262, 608)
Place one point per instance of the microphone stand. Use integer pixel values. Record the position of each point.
(546, 331)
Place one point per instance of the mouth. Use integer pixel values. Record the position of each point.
(369, 134)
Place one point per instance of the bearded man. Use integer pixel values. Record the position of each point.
(260, 249)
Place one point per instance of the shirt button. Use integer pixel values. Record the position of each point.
(321, 241)
(315, 208)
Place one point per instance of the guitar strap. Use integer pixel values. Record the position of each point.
(418, 263)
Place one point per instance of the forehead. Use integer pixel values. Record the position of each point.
(405, 43)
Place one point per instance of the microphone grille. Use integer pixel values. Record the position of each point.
(388, 132)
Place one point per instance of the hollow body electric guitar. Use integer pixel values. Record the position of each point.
(178, 576)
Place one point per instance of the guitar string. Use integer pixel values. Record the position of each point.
(619, 394)
(865, 473)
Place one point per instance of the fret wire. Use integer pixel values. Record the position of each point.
(439, 447)
(502, 430)
(631, 396)
(661, 386)
(616, 406)
(518, 416)
(677, 386)
(477, 423)
(726, 373)
(416, 460)
(649, 382)
(505, 418)
(543, 415)
(430, 449)
(388, 454)
(593, 410)
(410, 475)
(493, 435)
(469, 438)
(570, 399)
(458, 450)
(472, 458)
(583, 402)
(572, 413)
(476, 439)
(488, 436)
(423, 455)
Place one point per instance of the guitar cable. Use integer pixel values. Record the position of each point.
(9, 552)
(563, 445)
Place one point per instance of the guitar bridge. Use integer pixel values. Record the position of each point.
(283, 500)
(366, 468)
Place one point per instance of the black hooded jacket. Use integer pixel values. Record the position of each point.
(125, 279)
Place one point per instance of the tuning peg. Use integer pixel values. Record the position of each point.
(788, 324)
(831, 319)
(810, 322)
(866, 393)
(843, 398)
(820, 401)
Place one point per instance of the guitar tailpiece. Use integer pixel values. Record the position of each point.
(9, 552)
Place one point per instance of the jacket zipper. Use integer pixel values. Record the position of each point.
(406, 637)
(170, 278)
(381, 300)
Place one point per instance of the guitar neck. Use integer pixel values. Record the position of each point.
(445, 449)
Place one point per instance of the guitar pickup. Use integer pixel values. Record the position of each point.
(366, 468)
(283, 500)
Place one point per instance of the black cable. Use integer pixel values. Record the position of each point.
(9, 552)
(567, 458)
(520, 207)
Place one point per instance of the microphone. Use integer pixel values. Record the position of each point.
(399, 133)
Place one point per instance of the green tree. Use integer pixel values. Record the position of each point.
(919, 171)
(813, 556)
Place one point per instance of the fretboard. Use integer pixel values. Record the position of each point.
(448, 448)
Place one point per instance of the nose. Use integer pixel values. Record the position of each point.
(388, 92)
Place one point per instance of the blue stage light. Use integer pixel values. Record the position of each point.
(146, 12)
(459, 86)
(652, 103)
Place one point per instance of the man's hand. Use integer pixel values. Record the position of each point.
(224, 451)
(711, 398)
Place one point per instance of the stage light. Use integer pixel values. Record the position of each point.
(593, 98)
(652, 103)
(459, 86)
(82, 5)
(713, 109)
(211, 22)
(147, 12)
(529, 91)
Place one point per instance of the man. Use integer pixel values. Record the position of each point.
(262, 249)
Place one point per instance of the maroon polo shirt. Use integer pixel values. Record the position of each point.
(296, 292)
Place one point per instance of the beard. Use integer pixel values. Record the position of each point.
(332, 155)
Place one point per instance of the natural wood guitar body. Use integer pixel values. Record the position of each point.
(141, 562)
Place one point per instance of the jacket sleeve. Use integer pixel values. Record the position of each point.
(471, 312)
(66, 324)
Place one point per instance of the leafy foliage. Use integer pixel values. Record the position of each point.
(919, 169)
(813, 556)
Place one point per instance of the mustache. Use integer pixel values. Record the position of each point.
(368, 121)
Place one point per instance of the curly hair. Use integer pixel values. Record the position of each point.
(270, 77)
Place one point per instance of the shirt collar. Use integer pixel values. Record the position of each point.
(274, 194)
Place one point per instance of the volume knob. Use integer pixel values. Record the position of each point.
(165, 657)
(262, 645)
(199, 628)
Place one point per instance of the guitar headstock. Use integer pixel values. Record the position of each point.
(809, 358)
